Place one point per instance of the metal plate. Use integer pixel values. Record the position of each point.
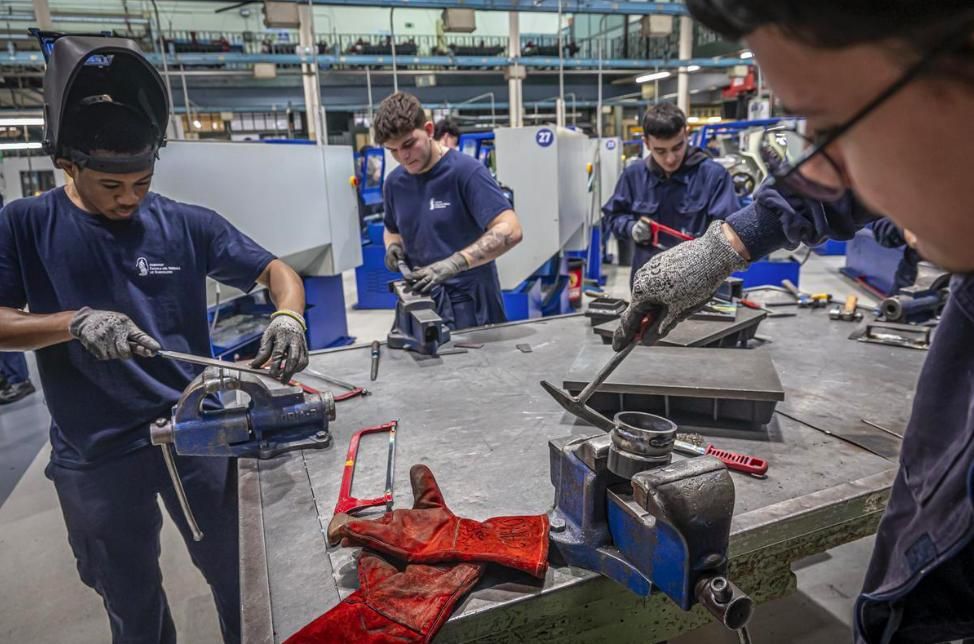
(482, 424)
(730, 374)
(699, 333)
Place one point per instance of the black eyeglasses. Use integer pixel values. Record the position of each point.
(789, 174)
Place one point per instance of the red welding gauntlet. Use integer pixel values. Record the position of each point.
(392, 606)
(430, 533)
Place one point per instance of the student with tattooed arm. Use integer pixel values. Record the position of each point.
(445, 217)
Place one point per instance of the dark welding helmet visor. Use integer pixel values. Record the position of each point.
(87, 70)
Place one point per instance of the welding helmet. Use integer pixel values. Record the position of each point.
(85, 70)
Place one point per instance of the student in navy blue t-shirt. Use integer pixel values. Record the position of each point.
(677, 185)
(109, 273)
(445, 217)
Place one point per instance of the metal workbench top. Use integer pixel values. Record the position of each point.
(482, 424)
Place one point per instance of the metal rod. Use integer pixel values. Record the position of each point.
(180, 492)
(832, 434)
(605, 372)
(392, 45)
(335, 381)
(882, 429)
(391, 465)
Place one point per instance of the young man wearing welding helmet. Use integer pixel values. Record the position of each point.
(111, 273)
(865, 75)
(677, 185)
(445, 216)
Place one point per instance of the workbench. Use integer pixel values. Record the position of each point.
(482, 424)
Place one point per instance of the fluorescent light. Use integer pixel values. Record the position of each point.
(652, 77)
(693, 119)
(21, 120)
(693, 68)
(714, 119)
(746, 54)
(24, 145)
(197, 124)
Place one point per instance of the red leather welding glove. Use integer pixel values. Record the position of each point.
(430, 533)
(393, 606)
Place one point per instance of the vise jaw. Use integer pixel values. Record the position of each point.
(417, 326)
(273, 420)
(667, 528)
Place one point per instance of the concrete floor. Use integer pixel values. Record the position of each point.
(42, 598)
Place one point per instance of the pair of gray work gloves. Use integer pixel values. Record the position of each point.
(422, 280)
(109, 335)
(677, 283)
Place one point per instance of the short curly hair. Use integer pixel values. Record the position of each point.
(398, 114)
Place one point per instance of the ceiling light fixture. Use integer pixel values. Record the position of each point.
(646, 78)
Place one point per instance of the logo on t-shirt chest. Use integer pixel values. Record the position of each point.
(436, 204)
(146, 268)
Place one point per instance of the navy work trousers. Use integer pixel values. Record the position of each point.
(13, 367)
(113, 520)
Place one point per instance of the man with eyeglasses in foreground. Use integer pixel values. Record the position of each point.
(865, 74)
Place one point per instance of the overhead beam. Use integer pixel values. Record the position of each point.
(630, 7)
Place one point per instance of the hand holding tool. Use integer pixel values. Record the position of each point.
(577, 405)
(733, 460)
(394, 255)
(425, 278)
(431, 533)
(109, 335)
(679, 281)
(655, 228)
(347, 502)
(393, 606)
(376, 349)
(283, 346)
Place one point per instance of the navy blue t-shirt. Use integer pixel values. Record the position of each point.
(443, 211)
(56, 257)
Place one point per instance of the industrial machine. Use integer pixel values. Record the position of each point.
(479, 145)
(306, 188)
(417, 326)
(272, 419)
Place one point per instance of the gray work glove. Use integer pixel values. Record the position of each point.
(679, 282)
(424, 279)
(641, 232)
(111, 336)
(394, 255)
(284, 346)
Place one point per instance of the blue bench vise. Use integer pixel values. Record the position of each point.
(625, 510)
(274, 419)
(417, 327)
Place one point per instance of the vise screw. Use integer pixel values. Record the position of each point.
(625, 510)
(272, 421)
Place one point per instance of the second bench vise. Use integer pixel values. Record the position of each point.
(624, 510)
(417, 327)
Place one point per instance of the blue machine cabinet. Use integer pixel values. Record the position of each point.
(770, 272)
(868, 262)
(372, 278)
(830, 247)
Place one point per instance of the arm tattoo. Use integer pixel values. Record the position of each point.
(491, 244)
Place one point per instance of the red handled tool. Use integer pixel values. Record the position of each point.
(733, 460)
(347, 502)
(656, 228)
